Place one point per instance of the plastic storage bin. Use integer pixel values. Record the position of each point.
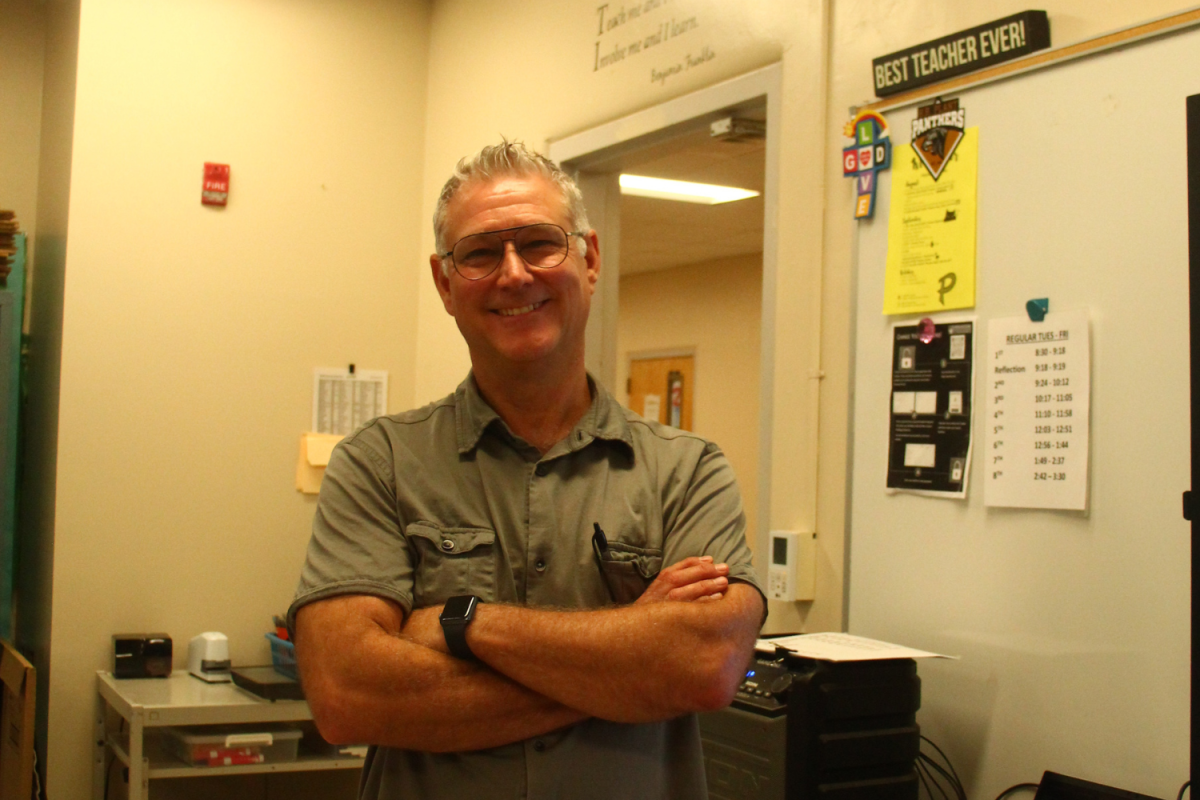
(232, 745)
(283, 656)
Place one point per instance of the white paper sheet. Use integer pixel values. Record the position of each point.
(343, 401)
(651, 406)
(842, 647)
(1038, 385)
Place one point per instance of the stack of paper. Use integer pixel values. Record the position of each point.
(9, 228)
(841, 647)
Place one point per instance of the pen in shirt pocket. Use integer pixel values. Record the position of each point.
(600, 549)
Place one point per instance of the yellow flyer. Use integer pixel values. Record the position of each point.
(931, 226)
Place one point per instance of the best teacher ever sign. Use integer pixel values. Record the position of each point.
(965, 51)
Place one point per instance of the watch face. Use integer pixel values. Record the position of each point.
(460, 607)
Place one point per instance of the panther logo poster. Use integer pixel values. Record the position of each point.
(936, 132)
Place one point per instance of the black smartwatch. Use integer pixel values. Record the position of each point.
(455, 617)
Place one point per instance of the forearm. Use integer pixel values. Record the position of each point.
(630, 664)
(366, 683)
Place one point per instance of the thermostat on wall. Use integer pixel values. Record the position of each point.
(792, 572)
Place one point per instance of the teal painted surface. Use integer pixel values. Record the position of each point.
(12, 304)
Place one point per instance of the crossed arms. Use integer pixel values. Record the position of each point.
(372, 675)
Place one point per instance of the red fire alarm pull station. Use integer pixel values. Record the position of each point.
(215, 191)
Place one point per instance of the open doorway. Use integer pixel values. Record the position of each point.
(688, 281)
(689, 315)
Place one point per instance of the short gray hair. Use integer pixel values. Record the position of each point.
(505, 160)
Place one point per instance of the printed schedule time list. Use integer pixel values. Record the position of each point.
(1037, 412)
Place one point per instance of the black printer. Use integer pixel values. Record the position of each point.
(802, 729)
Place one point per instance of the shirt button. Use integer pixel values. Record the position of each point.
(540, 565)
(447, 545)
(539, 745)
(541, 469)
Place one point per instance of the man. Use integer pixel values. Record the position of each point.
(524, 590)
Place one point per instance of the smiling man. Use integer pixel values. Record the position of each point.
(524, 590)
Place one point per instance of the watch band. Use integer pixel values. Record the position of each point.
(454, 627)
(456, 639)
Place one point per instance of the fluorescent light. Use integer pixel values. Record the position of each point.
(688, 192)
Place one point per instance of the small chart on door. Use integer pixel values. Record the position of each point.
(1038, 396)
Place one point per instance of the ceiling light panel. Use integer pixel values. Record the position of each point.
(685, 191)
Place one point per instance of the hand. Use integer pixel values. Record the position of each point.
(424, 628)
(694, 578)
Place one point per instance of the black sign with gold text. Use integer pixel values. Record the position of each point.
(959, 53)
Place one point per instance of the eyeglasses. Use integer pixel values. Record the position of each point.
(541, 246)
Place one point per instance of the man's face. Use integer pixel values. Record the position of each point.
(518, 314)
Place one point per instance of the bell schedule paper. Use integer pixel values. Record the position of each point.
(1038, 389)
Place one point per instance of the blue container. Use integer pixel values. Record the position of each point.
(283, 656)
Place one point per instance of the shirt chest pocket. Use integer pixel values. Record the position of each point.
(452, 561)
(629, 570)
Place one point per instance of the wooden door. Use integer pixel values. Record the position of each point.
(663, 387)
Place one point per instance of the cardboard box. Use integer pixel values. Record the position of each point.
(16, 723)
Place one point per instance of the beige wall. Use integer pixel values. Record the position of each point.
(713, 309)
(190, 334)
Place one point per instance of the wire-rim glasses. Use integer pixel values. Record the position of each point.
(541, 246)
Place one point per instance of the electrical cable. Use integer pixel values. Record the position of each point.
(951, 779)
(1186, 785)
(945, 758)
(925, 763)
(1016, 788)
(928, 791)
(108, 767)
(38, 794)
(921, 775)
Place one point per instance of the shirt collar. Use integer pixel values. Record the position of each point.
(604, 419)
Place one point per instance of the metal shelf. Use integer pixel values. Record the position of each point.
(185, 700)
(180, 699)
(162, 765)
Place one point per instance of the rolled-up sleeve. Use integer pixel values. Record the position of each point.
(357, 544)
(705, 517)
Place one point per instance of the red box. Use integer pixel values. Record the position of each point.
(215, 190)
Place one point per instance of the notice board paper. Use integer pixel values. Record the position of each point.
(343, 400)
(315, 450)
(1038, 397)
(931, 232)
(929, 443)
(841, 647)
(318, 447)
(652, 406)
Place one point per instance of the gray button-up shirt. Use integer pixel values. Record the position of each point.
(444, 500)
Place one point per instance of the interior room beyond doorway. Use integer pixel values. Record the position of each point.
(691, 285)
